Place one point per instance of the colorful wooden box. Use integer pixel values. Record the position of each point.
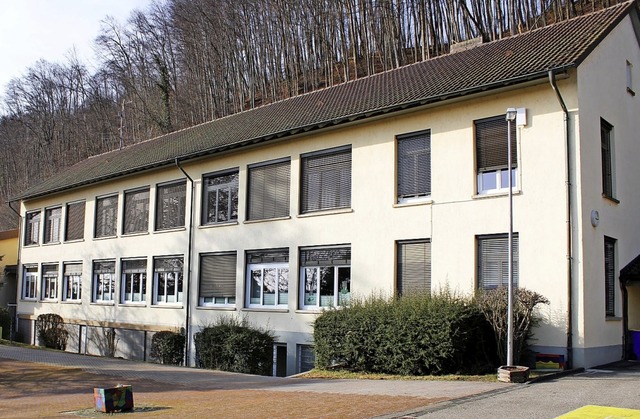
(114, 399)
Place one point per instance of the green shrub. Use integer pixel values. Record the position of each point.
(494, 305)
(233, 345)
(411, 335)
(51, 331)
(5, 322)
(168, 347)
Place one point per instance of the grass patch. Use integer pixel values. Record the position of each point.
(341, 374)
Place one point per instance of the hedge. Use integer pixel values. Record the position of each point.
(168, 347)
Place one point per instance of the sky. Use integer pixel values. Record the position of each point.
(31, 30)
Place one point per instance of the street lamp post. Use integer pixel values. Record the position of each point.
(511, 117)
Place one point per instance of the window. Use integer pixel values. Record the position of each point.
(269, 190)
(72, 282)
(75, 221)
(609, 276)
(218, 279)
(167, 283)
(52, 218)
(29, 281)
(414, 267)
(326, 180)
(491, 154)
(171, 201)
(49, 282)
(414, 166)
(325, 275)
(32, 228)
(106, 216)
(493, 261)
(220, 198)
(136, 211)
(607, 161)
(268, 278)
(104, 281)
(134, 281)
(306, 358)
(630, 79)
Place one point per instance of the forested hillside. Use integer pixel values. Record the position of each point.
(184, 62)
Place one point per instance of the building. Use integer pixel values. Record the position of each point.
(389, 183)
(8, 263)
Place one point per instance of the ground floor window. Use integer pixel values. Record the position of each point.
(217, 279)
(167, 280)
(609, 276)
(306, 358)
(104, 280)
(414, 267)
(49, 282)
(29, 282)
(325, 276)
(72, 282)
(268, 278)
(493, 261)
(134, 281)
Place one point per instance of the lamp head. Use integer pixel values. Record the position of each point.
(511, 114)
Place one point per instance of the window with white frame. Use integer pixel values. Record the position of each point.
(268, 278)
(414, 166)
(106, 223)
(29, 282)
(326, 180)
(75, 221)
(104, 281)
(136, 211)
(492, 157)
(325, 277)
(52, 220)
(72, 282)
(414, 267)
(217, 279)
(133, 288)
(493, 261)
(220, 197)
(171, 201)
(32, 228)
(268, 190)
(167, 280)
(609, 276)
(49, 289)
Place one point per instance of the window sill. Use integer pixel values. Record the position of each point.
(29, 300)
(171, 230)
(498, 194)
(311, 311)
(105, 238)
(413, 203)
(74, 241)
(610, 198)
(136, 233)
(266, 309)
(613, 319)
(50, 243)
(168, 305)
(213, 225)
(217, 308)
(127, 304)
(288, 217)
(71, 302)
(49, 301)
(103, 303)
(31, 245)
(326, 212)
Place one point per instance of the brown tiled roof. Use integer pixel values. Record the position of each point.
(493, 65)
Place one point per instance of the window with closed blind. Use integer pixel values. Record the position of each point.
(171, 201)
(326, 180)
(32, 228)
(491, 154)
(493, 261)
(52, 219)
(106, 216)
(414, 267)
(136, 211)
(74, 229)
(414, 166)
(269, 186)
(325, 277)
(220, 197)
(268, 278)
(218, 279)
(609, 276)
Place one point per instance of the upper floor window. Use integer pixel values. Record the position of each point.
(32, 228)
(220, 198)
(104, 281)
(49, 282)
(171, 201)
(217, 279)
(52, 219)
(106, 216)
(326, 180)
(167, 280)
(491, 154)
(134, 281)
(72, 282)
(325, 277)
(606, 131)
(269, 186)
(414, 267)
(609, 276)
(29, 282)
(414, 166)
(136, 211)
(75, 221)
(268, 278)
(493, 261)
(630, 79)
